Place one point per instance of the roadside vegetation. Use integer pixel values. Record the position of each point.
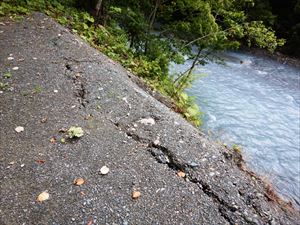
(145, 36)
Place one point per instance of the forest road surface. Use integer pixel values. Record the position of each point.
(52, 80)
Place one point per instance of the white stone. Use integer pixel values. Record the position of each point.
(147, 121)
(104, 170)
(19, 129)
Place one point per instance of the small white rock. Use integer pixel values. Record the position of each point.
(125, 99)
(10, 58)
(104, 170)
(19, 129)
(34, 58)
(22, 165)
(55, 91)
(147, 121)
(156, 142)
(15, 68)
(1, 92)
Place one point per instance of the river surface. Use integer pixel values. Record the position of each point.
(255, 104)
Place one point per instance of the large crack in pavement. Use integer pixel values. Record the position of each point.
(79, 82)
(163, 155)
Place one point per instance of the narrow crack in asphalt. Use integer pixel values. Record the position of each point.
(163, 155)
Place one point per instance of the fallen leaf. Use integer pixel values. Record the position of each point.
(181, 174)
(63, 140)
(104, 170)
(90, 222)
(62, 130)
(40, 161)
(82, 193)
(19, 129)
(136, 194)
(79, 181)
(89, 116)
(43, 196)
(53, 140)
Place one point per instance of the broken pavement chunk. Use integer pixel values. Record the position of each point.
(147, 121)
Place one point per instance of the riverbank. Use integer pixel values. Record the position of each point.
(277, 56)
(161, 169)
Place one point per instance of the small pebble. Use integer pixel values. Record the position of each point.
(15, 68)
(55, 91)
(19, 129)
(10, 58)
(104, 170)
(147, 121)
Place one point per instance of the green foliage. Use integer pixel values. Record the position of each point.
(146, 36)
(3, 86)
(236, 148)
(75, 132)
(7, 75)
(262, 36)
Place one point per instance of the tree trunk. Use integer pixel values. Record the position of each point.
(183, 78)
(151, 21)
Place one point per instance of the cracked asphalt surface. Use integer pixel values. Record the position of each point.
(61, 82)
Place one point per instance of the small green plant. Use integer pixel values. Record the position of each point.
(3, 86)
(75, 132)
(37, 89)
(236, 148)
(7, 75)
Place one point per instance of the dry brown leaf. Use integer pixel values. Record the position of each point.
(40, 161)
(43, 196)
(62, 130)
(181, 174)
(53, 140)
(79, 181)
(136, 194)
(90, 222)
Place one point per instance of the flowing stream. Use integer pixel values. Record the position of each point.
(255, 102)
